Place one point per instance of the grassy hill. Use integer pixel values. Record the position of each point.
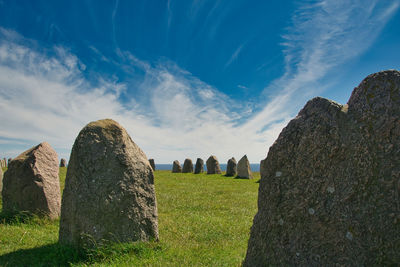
(204, 220)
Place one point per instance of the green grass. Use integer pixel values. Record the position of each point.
(204, 220)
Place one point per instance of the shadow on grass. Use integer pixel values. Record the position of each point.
(48, 255)
(62, 255)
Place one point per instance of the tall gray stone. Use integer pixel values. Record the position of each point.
(231, 167)
(329, 192)
(187, 166)
(199, 168)
(152, 164)
(213, 165)
(63, 163)
(109, 189)
(176, 167)
(243, 168)
(31, 183)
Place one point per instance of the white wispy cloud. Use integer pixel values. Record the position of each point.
(234, 56)
(173, 115)
(323, 35)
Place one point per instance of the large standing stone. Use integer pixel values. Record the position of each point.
(263, 167)
(231, 167)
(176, 167)
(63, 163)
(213, 165)
(31, 182)
(199, 168)
(243, 168)
(152, 164)
(329, 193)
(187, 166)
(109, 189)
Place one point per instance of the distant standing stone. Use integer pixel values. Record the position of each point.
(5, 162)
(109, 189)
(152, 164)
(243, 168)
(187, 166)
(176, 167)
(31, 182)
(63, 163)
(231, 167)
(213, 165)
(9, 161)
(199, 166)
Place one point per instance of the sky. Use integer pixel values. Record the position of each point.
(187, 79)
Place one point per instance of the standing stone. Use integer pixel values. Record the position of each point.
(231, 167)
(5, 162)
(199, 166)
(1, 179)
(109, 189)
(243, 168)
(263, 167)
(9, 161)
(176, 167)
(329, 192)
(187, 166)
(2, 165)
(152, 164)
(31, 183)
(213, 165)
(63, 163)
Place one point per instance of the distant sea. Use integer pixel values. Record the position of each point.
(255, 167)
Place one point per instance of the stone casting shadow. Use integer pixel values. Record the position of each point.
(48, 255)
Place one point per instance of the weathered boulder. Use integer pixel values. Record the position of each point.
(243, 168)
(63, 163)
(109, 189)
(187, 166)
(231, 167)
(31, 183)
(176, 167)
(213, 165)
(199, 168)
(329, 191)
(152, 164)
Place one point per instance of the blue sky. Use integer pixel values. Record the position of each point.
(187, 79)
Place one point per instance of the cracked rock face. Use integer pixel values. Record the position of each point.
(109, 189)
(31, 183)
(329, 189)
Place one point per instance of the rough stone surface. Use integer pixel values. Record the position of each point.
(213, 165)
(199, 166)
(263, 167)
(152, 164)
(63, 163)
(187, 166)
(1, 179)
(109, 189)
(31, 183)
(176, 167)
(243, 168)
(231, 167)
(329, 192)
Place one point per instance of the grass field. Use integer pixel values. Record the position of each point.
(204, 220)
